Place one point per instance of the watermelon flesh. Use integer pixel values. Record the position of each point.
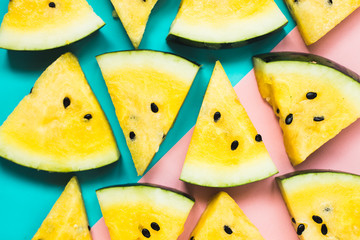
(59, 126)
(67, 218)
(225, 148)
(44, 24)
(323, 204)
(313, 97)
(144, 211)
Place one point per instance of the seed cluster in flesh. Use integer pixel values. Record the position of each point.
(146, 233)
(317, 219)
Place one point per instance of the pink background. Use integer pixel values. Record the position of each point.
(261, 201)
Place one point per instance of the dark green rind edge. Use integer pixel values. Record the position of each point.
(311, 171)
(57, 46)
(229, 185)
(306, 57)
(145, 50)
(223, 45)
(151, 186)
(149, 50)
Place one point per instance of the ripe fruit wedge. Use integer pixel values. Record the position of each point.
(225, 23)
(44, 24)
(59, 126)
(144, 211)
(313, 97)
(134, 16)
(315, 18)
(225, 149)
(147, 89)
(223, 219)
(323, 204)
(67, 218)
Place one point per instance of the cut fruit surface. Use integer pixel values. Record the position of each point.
(225, 148)
(144, 211)
(313, 97)
(67, 218)
(223, 219)
(323, 204)
(147, 89)
(59, 126)
(224, 23)
(134, 16)
(315, 18)
(44, 24)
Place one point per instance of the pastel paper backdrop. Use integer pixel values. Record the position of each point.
(27, 195)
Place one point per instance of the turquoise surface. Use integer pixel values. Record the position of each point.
(27, 195)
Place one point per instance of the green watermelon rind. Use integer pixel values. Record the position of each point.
(302, 173)
(305, 57)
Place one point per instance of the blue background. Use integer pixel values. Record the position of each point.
(27, 195)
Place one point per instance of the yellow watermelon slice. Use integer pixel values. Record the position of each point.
(134, 16)
(67, 218)
(315, 18)
(225, 149)
(313, 97)
(323, 204)
(225, 23)
(59, 126)
(147, 89)
(144, 211)
(45, 24)
(223, 219)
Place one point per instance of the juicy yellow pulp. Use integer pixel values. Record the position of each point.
(285, 84)
(128, 211)
(24, 15)
(219, 12)
(333, 197)
(55, 138)
(221, 211)
(315, 18)
(67, 219)
(211, 141)
(133, 89)
(134, 15)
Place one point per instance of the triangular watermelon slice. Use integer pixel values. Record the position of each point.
(315, 18)
(323, 204)
(225, 149)
(45, 24)
(223, 219)
(134, 16)
(147, 89)
(60, 125)
(67, 218)
(144, 211)
(313, 97)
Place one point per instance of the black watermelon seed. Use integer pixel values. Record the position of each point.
(258, 138)
(154, 108)
(295, 1)
(88, 116)
(327, 209)
(311, 95)
(277, 111)
(164, 136)
(330, 2)
(146, 233)
(227, 229)
(155, 226)
(89, 227)
(324, 229)
(293, 220)
(234, 145)
(217, 116)
(192, 238)
(317, 219)
(300, 229)
(31, 90)
(66, 102)
(289, 119)
(52, 4)
(319, 119)
(132, 135)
